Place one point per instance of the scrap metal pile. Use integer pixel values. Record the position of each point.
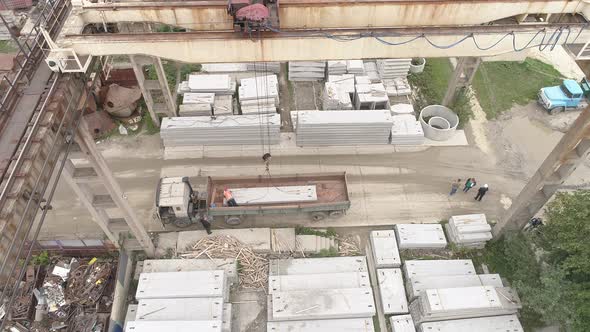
(252, 267)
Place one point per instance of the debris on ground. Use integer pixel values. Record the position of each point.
(349, 245)
(252, 267)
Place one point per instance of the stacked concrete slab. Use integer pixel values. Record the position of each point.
(402, 109)
(392, 292)
(392, 68)
(385, 249)
(274, 67)
(307, 70)
(355, 67)
(471, 230)
(335, 97)
(372, 71)
(314, 244)
(229, 266)
(482, 324)
(402, 323)
(219, 84)
(324, 325)
(372, 96)
(222, 130)
(418, 284)
(172, 300)
(406, 130)
(336, 67)
(413, 268)
(420, 236)
(345, 82)
(460, 303)
(305, 292)
(259, 95)
(398, 86)
(343, 128)
(223, 105)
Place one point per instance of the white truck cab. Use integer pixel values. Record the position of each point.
(174, 201)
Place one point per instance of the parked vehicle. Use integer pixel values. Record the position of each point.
(568, 95)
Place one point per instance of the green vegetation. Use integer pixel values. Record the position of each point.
(501, 84)
(148, 123)
(550, 268)
(171, 69)
(330, 232)
(332, 252)
(7, 47)
(42, 259)
(431, 85)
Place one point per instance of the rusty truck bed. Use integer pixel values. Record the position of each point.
(331, 188)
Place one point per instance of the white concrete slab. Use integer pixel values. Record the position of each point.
(323, 304)
(491, 280)
(131, 313)
(324, 325)
(402, 323)
(318, 281)
(227, 317)
(257, 238)
(484, 324)
(176, 326)
(419, 283)
(438, 267)
(385, 249)
(317, 265)
(420, 236)
(455, 299)
(160, 285)
(210, 308)
(274, 195)
(392, 291)
(229, 266)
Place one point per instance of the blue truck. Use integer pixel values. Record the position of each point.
(568, 95)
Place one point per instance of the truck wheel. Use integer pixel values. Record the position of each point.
(318, 216)
(233, 220)
(556, 110)
(336, 214)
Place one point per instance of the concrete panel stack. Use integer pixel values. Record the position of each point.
(343, 128)
(371, 97)
(459, 303)
(406, 130)
(259, 95)
(418, 284)
(372, 72)
(273, 67)
(319, 294)
(308, 71)
(345, 82)
(335, 97)
(229, 266)
(223, 105)
(397, 87)
(224, 67)
(392, 292)
(355, 67)
(471, 230)
(385, 249)
(402, 109)
(337, 67)
(402, 323)
(420, 236)
(196, 104)
(219, 84)
(392, 68)
(223, 130)
(174, 301)
(413, 268)
(482, 324)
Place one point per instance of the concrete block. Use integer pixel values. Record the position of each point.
(414, 268)
(392, 291)
(183, 309)
(257, 238)
(318, 281)
(274, 195)
(131, 313)
(228, 265)
(420, 236)
(482, 324)
(323, 304)
(419, 284)
(176, 326)
(402, 323)
(307, 243)
(385, 249)
(454, 299)
(317, 265)
(491, 280)
(161, 285)
(323, 325)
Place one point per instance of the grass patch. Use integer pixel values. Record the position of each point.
(170, 70)
(330, 232)
(332, 252)
(501, 84)
(431, 85)
(7, 47)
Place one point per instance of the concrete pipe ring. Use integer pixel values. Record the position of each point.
(439, 123)
(233, 220)
(417, 65)
(318, 216)
(336, 214)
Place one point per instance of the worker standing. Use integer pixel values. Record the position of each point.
(481, 192)
(454, 187)
(206, 224)
(229, 197)
(470, 183)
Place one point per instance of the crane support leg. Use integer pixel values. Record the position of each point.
(462, 77)
(570, 151)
